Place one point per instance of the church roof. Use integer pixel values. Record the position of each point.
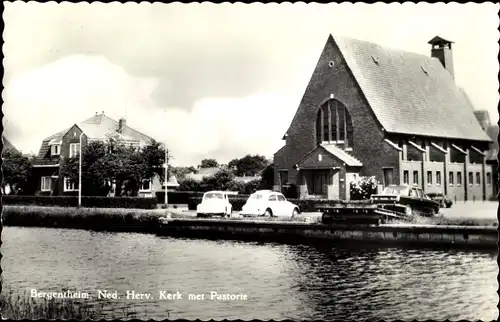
(410, 93)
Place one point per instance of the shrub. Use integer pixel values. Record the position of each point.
(72, 201)
(363, 188)
(189, 184)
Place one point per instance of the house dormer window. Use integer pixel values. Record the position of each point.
(55, 149)
(333, 124)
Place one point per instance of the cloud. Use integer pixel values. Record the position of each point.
(210, 66)
(53, 97)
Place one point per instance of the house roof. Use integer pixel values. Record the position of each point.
(247, 178)
(342, 155)
(7, 144)
(98, 127)
(492, 153)
(202, 173)
(483, 117)
(331, 149)
(410, 93)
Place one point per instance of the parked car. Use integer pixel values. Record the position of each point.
(409, 199)
(215, 203)
(443, 200)
(268, 203)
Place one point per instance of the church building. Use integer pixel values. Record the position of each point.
(392, 114)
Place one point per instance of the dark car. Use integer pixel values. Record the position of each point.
(443, 200)
(407, 199)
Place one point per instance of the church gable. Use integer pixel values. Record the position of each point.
(319, 158)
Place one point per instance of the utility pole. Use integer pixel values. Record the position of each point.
(80, 173)
(167, 158)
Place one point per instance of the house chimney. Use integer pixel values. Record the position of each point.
(441, 49)
(121, 125)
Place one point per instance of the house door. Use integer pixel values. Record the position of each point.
(318, 179)
(388, 177)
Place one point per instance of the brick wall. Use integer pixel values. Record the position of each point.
(368, 146)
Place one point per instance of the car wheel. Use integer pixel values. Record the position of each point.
(268, 213)
(295, 212)
(409, 210)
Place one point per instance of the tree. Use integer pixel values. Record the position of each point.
(209, 163)
(16, 169)
(154, 156)
(221, 180)
(106, 162)
(249, 165)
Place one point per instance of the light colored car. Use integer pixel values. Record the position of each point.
(215, 203)
(268, 203)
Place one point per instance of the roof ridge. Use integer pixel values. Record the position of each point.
(384, 47)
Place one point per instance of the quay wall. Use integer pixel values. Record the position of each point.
(473, 236)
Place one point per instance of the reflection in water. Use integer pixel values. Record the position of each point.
(282, 281)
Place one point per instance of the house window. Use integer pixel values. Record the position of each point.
(488, 178)
(55, 149)
(478, 178)
(415, 177)
(74, 150)
(70, 185)
(146, 185)
(459, 178)
(438, 178)
(450, 178)
(471, 178)
(333, 124)
(406, 177)
(429, 178)
(46, 183)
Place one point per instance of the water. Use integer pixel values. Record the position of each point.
(281, 281)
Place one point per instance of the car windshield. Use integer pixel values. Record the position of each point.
(214, 195)
(395, 190)
(256, 196)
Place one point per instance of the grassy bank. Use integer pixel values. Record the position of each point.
(145, 220)
(114, 219)
(17, 307)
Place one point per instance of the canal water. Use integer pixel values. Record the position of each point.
(280, 281)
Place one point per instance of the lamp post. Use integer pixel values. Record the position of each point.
(80, 174)
(166, 176)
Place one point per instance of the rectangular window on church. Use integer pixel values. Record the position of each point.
(415, 177)
(406, 177)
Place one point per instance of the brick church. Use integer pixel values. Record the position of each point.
(395, 115)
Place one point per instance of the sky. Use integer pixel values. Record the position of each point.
(211, 80)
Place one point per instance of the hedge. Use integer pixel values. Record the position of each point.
(305, 205)
(182, 197)
(177, 197)
(91, 202)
